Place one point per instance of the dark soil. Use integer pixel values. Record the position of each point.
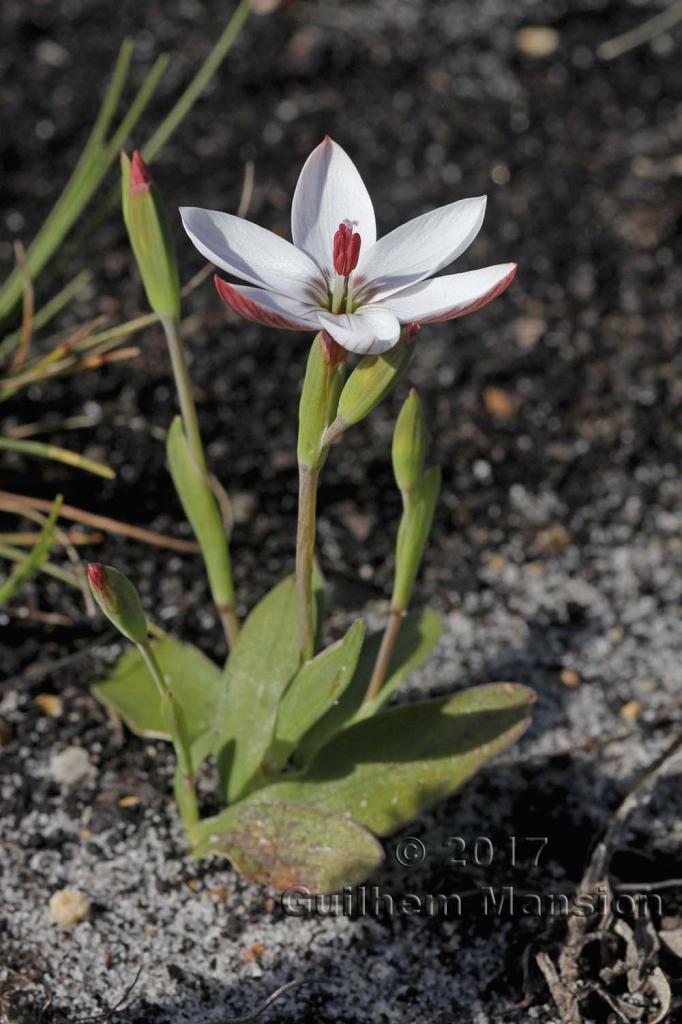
(557, 540)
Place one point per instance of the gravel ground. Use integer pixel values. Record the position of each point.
(556, 553)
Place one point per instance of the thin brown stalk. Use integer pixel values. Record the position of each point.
(395, 620)
(305, 553)
(28, 538)
(18, 502)
(21, 353)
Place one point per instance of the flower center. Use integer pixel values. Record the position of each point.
(346, 255)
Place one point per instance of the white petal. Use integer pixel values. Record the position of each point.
(253, 253)
(418, 249)
(445, 298)
(266, 307)
(367, 332)
(330, 191)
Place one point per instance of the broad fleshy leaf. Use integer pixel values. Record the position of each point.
(286, 845)
(386, 770)
(419, 634)
(257, 673)
(193, 678)
(315, 688)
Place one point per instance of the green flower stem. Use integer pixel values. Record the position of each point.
(305, 552)
(189, 809)
(395, 619)
(190, 423)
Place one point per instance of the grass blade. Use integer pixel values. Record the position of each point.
(32, 562)
(38, 450)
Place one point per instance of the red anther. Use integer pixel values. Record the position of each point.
(98, 576)
(412, 330)
(140, 178)
(346, 250)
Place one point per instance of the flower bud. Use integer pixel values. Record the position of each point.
(409, 443)
(119, 601)
(371, 380)
(324, 376)
(150, 237)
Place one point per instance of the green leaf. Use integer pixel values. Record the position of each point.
(386, 770)
(283, 845)
(38, 450)
(201, 508)
(130, 692)
(315, 688)
(419, 634)
(258, 672)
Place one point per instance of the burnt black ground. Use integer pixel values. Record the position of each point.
(557, 539)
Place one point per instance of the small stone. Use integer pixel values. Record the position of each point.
(553, 540)
(254, 952)
(498, 403)
(69, 907)
(243, 507)
(129, 801)
(529, 330)
(570, 678)
(71, 766)
(631, 711)
(264, 6)
(497, 564)
(50, 705)
(537, 41)
(51, 53)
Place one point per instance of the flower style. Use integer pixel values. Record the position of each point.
(337, 277)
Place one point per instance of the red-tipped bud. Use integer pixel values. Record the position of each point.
(346, 249)
(97, 576)
(140, 178)
(119, 601)
(149, 236)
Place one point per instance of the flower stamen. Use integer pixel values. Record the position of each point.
(346, 255)
(346, 249)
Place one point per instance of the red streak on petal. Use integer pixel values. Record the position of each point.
(334, 354)
(251, 310)
(140, 178)
(457, 311)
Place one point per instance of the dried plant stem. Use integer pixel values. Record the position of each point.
(305, 551)
(18, 503)
(644, 33)
(21, 354)
(395, 620)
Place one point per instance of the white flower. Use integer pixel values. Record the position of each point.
(336, 276)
